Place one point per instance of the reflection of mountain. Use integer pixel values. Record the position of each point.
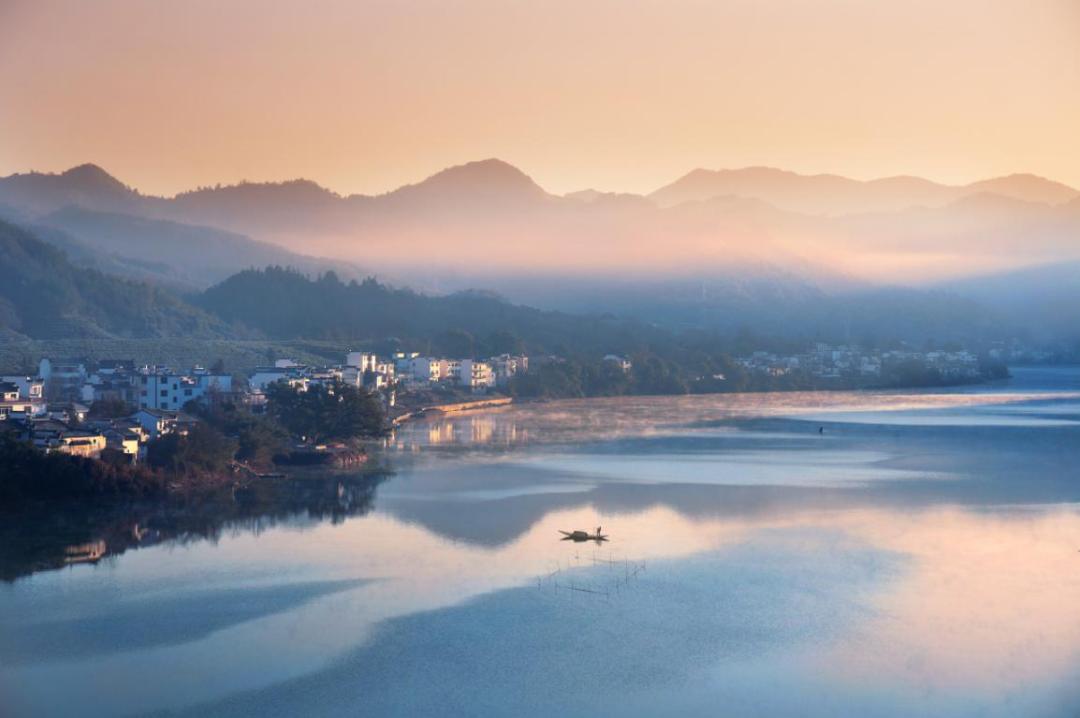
(52, 537)
(495, 502)
(97, 637)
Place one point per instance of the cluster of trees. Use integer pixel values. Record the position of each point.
(326, 413)
(701, 372)
(202, 451)
(258, 438)
(322, 413)
(199, 458)
(914, 373)
(285, 304)
(30, 473)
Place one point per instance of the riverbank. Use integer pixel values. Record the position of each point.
(452, 408)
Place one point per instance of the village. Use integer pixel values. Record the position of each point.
(70, 406)
(85, 408)
(825, 361)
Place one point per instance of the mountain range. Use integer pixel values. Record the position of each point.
(489, 214)
(835, 195)
(712, 249)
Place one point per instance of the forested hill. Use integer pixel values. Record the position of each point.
(44, 296)
(285, 304)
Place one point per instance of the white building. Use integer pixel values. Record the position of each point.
(362, 361)
(21, 397)
(423, 370)
(63, 377)
(158, 422)
(506, 366)
(476, 375)
(402, 359)
(30, 387)
(166, 390)
(294, 375)
(449, 370)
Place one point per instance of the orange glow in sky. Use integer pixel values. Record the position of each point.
(616, 94)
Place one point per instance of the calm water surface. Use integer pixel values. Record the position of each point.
(921, 556)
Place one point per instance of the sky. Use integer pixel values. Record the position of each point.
(623, 95)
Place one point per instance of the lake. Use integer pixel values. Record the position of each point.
(802, 554)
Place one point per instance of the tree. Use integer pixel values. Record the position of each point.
(653, 375)
(258, 438)
(203, 449)
(502, 341)
(456, 343)
(326, 412)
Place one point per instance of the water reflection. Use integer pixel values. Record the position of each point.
(52, 537)
(466, 429)
(887, 568)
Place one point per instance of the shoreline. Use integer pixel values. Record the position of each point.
(427, 412)
(452, 408)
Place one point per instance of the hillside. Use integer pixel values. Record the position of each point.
(722, 262)
(451, 228)
(1050, 293)
(45, 296)
(284, 304)
(623, 318)
(175, 253)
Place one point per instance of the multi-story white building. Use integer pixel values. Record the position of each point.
(362, 361)
(21, 397)
(423, 370)
(476, 375)
(506, 366)
(402, 359)
(30, 387)
(163, 389)
(63, 377)
(449, 370)
(387, 371)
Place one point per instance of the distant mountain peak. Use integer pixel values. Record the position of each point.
(489, 176)
(86, 170)
(1028, 187)
(89, 175)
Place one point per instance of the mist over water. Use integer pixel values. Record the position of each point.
(883, 554)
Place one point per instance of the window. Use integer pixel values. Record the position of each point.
(164, 392)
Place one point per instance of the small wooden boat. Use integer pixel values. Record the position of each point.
(583, 535)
